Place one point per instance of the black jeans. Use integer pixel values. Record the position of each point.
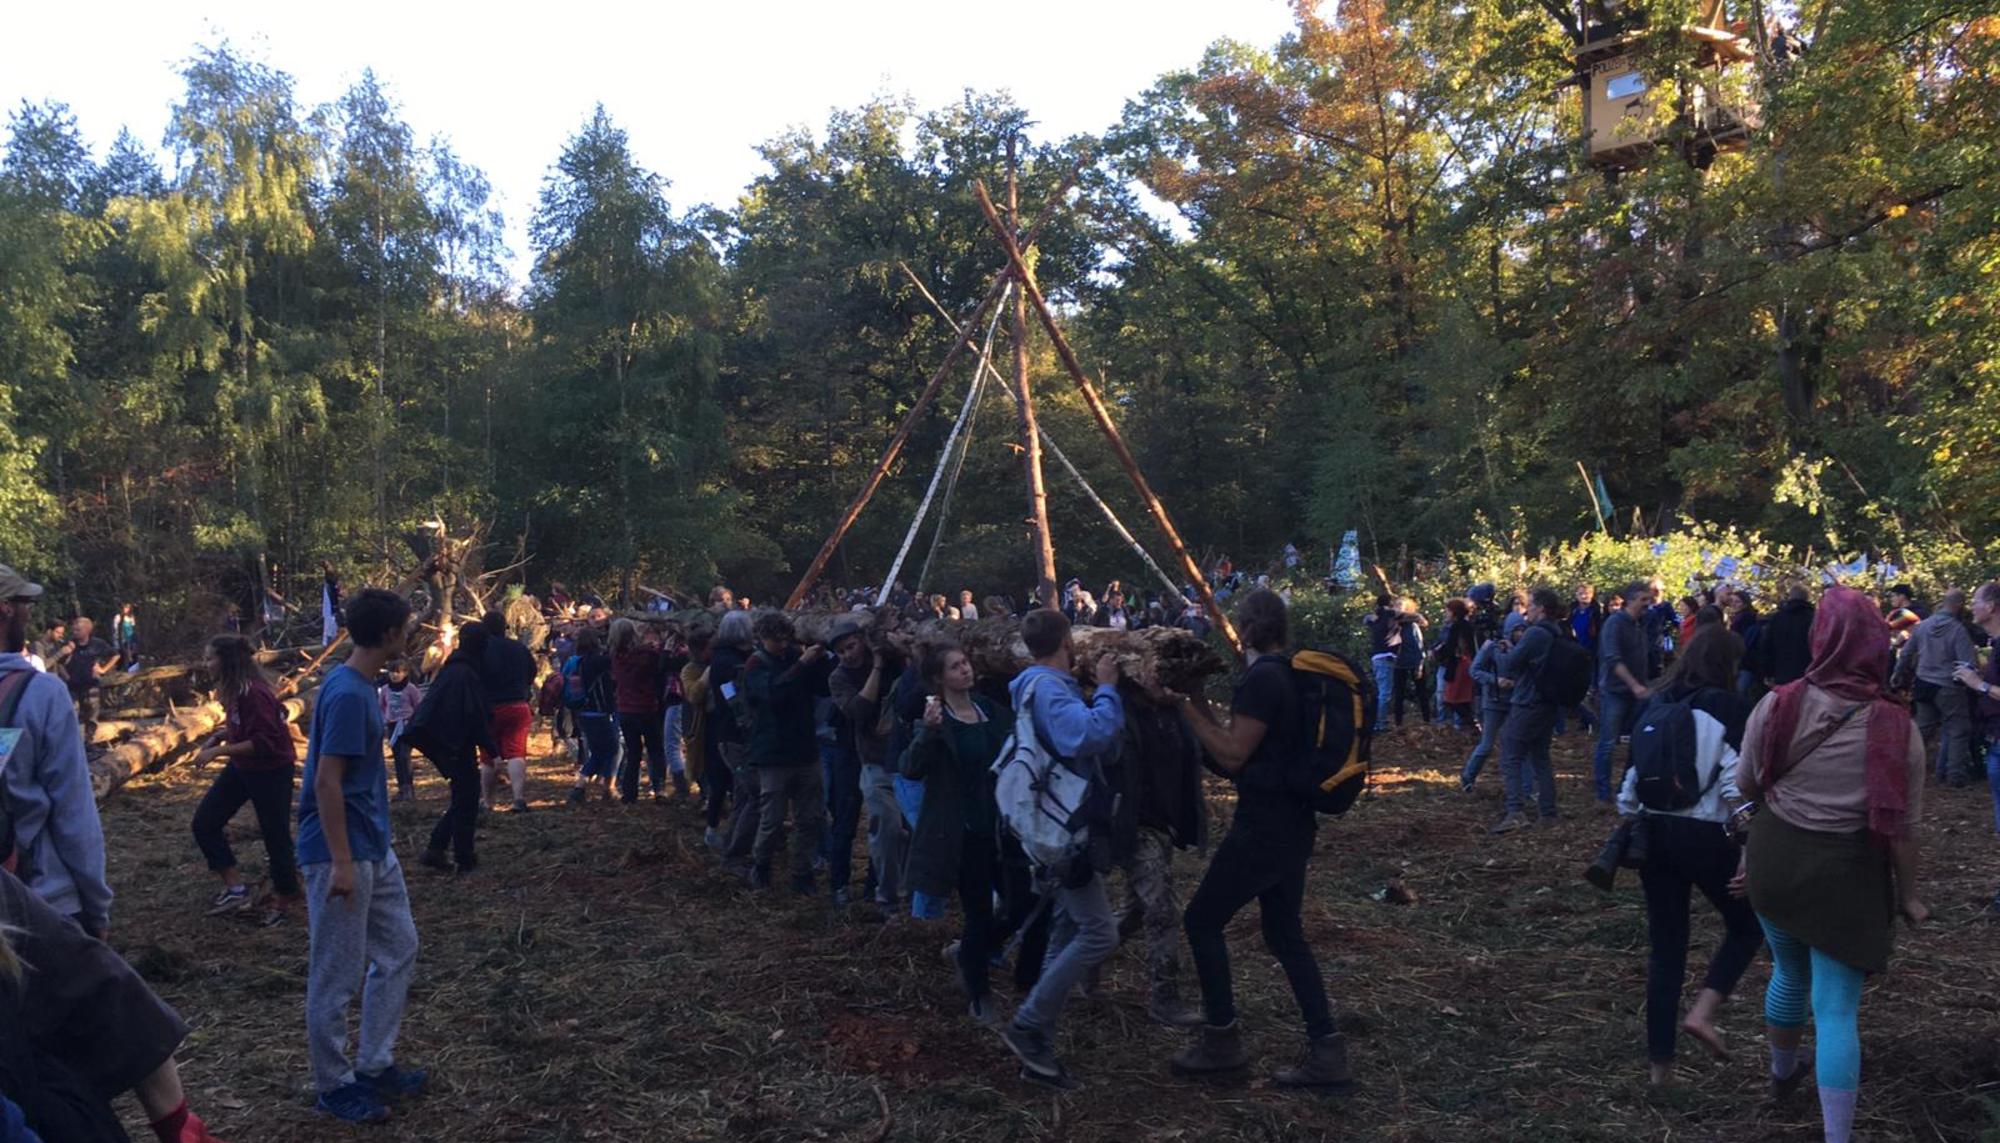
(1023, 907)
(455, 827)
(270, 793)
(843, 807)
(978, 871)
(1409, 685)
(1681, 856)
(717, 780)
(1263, 858)
(645, 736)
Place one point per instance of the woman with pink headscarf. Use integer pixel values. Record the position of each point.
(1832, 859)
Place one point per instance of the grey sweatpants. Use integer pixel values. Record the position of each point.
(365, 943)
(888, 834)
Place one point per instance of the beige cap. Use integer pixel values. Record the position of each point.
(14, 585)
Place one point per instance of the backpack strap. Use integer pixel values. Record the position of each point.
(13, 686)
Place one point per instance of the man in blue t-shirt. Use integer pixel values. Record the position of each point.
(362, 938)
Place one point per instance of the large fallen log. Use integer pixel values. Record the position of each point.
(109, 731)
(163, 744)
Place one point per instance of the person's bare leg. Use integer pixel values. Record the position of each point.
(160, 1093)
(1700, 1022)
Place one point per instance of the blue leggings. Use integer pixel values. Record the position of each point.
(1836, 1005)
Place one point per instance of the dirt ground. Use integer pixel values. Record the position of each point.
(601, 979)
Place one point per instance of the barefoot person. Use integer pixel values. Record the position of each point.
(258, 767)
(362, 938)
(1263, 859)
(1839, 767)
(1687, 849)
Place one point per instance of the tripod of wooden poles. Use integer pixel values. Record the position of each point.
(1016, 282)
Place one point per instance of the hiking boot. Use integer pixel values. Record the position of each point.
(1214, 1051)
(1169, 1009)
(434, 859)
(232, 899)
(393, 1082)
(1508, 824)
(352, 1103)
(575, 798)
(1032, 1048)
(1324, 1067)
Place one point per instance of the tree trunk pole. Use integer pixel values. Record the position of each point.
(1026, 282)
(902, 436)
(1031, 440)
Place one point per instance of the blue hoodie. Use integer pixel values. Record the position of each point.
(61, 842)
(1073, 727)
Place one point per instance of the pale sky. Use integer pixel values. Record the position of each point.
(696, 86)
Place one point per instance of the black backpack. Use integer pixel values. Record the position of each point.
(1566, 674)
(1337, 710)
(1666, 747)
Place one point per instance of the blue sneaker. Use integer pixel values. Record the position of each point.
(352, 1103)
(393, 1082)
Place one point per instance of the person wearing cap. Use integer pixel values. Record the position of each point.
(49, 830)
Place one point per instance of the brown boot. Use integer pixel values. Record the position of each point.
(1214, 1051)
(1324, 1068)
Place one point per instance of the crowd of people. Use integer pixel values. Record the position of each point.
(1790, 779)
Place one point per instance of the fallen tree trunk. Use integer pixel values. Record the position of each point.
(162, 744)
(114, 730)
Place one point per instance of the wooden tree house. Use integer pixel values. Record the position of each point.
(1711, 110)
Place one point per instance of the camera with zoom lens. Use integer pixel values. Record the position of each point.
(1625, 848)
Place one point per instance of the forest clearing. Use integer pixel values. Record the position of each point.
(601, 978)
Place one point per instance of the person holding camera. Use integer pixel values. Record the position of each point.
(1688, 848)
(1832, 859)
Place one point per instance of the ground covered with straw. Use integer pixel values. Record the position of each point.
(602, 978)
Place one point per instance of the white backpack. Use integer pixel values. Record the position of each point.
(1041, 796)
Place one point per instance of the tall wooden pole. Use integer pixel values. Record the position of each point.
(1031, 440)
(910, 419)
(1025, 282)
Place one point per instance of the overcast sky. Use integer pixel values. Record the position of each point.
(696, 85)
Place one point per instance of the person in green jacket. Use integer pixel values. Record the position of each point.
(956, 843)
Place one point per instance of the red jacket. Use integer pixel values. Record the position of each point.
(258, 718)
(636, 674)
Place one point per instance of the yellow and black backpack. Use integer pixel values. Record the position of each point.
(1337, 704)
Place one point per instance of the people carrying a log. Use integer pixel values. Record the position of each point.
(693, 722)
(509, 676)
(82, 1027)
(453, 726)
(956, 844)
(1084, 731)
(400, 695)
(861, 686)
(673, 656)
(1158, 779)
(588, 692)
(780, 684)
(1263, 858)
(258, 767)
(729, 740)
(362, 938)
(50, 835)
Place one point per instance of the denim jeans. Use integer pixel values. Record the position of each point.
(1946, 719)
(1492, 720)
(910, 798)
(1524, 758)
(1993, 781)
(1385, 689)
(672, 745)
(1088, 910)
(843, 806)
(1614, 718)
(888, 835)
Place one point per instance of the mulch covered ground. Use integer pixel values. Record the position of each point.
(600, 978)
